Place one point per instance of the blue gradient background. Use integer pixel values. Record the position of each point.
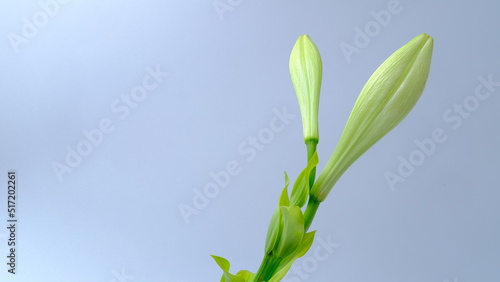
(116, 216)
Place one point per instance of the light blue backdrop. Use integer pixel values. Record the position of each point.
(119, 115)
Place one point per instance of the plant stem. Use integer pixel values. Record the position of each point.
(270, 263)
(313, 204)
(267, 268)
(262, 269)
(311, 149)
(312, 207)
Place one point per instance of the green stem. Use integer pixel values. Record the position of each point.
(262, 269)
(311, 149)
(269, 263)
(313, 204)
(267, 268)
(312, 207)
(311, 144)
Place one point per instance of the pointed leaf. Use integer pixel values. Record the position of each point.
(284, 200)
(274, 228)
(246, 275)
(273, 231)
(225, 265)
(300, 191)
(292, 233)
(301, 250)
(222, 262)
(306, 243)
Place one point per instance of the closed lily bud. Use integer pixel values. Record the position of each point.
(305, 72)
(388, 96)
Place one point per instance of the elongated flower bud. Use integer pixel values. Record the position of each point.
(388, 96)
(306, 71)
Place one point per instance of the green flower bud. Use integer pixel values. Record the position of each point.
(305, 72)
(388, 96)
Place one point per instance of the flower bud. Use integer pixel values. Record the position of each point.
(305, 72)
(388, 96)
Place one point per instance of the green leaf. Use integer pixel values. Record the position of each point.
(292, 233)
(306, 243)
(274, 228)
(246, 275)
(273, 231)
(300, 191)
(222, 262)
(304, 246)
(284, 200)
(226, 276)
